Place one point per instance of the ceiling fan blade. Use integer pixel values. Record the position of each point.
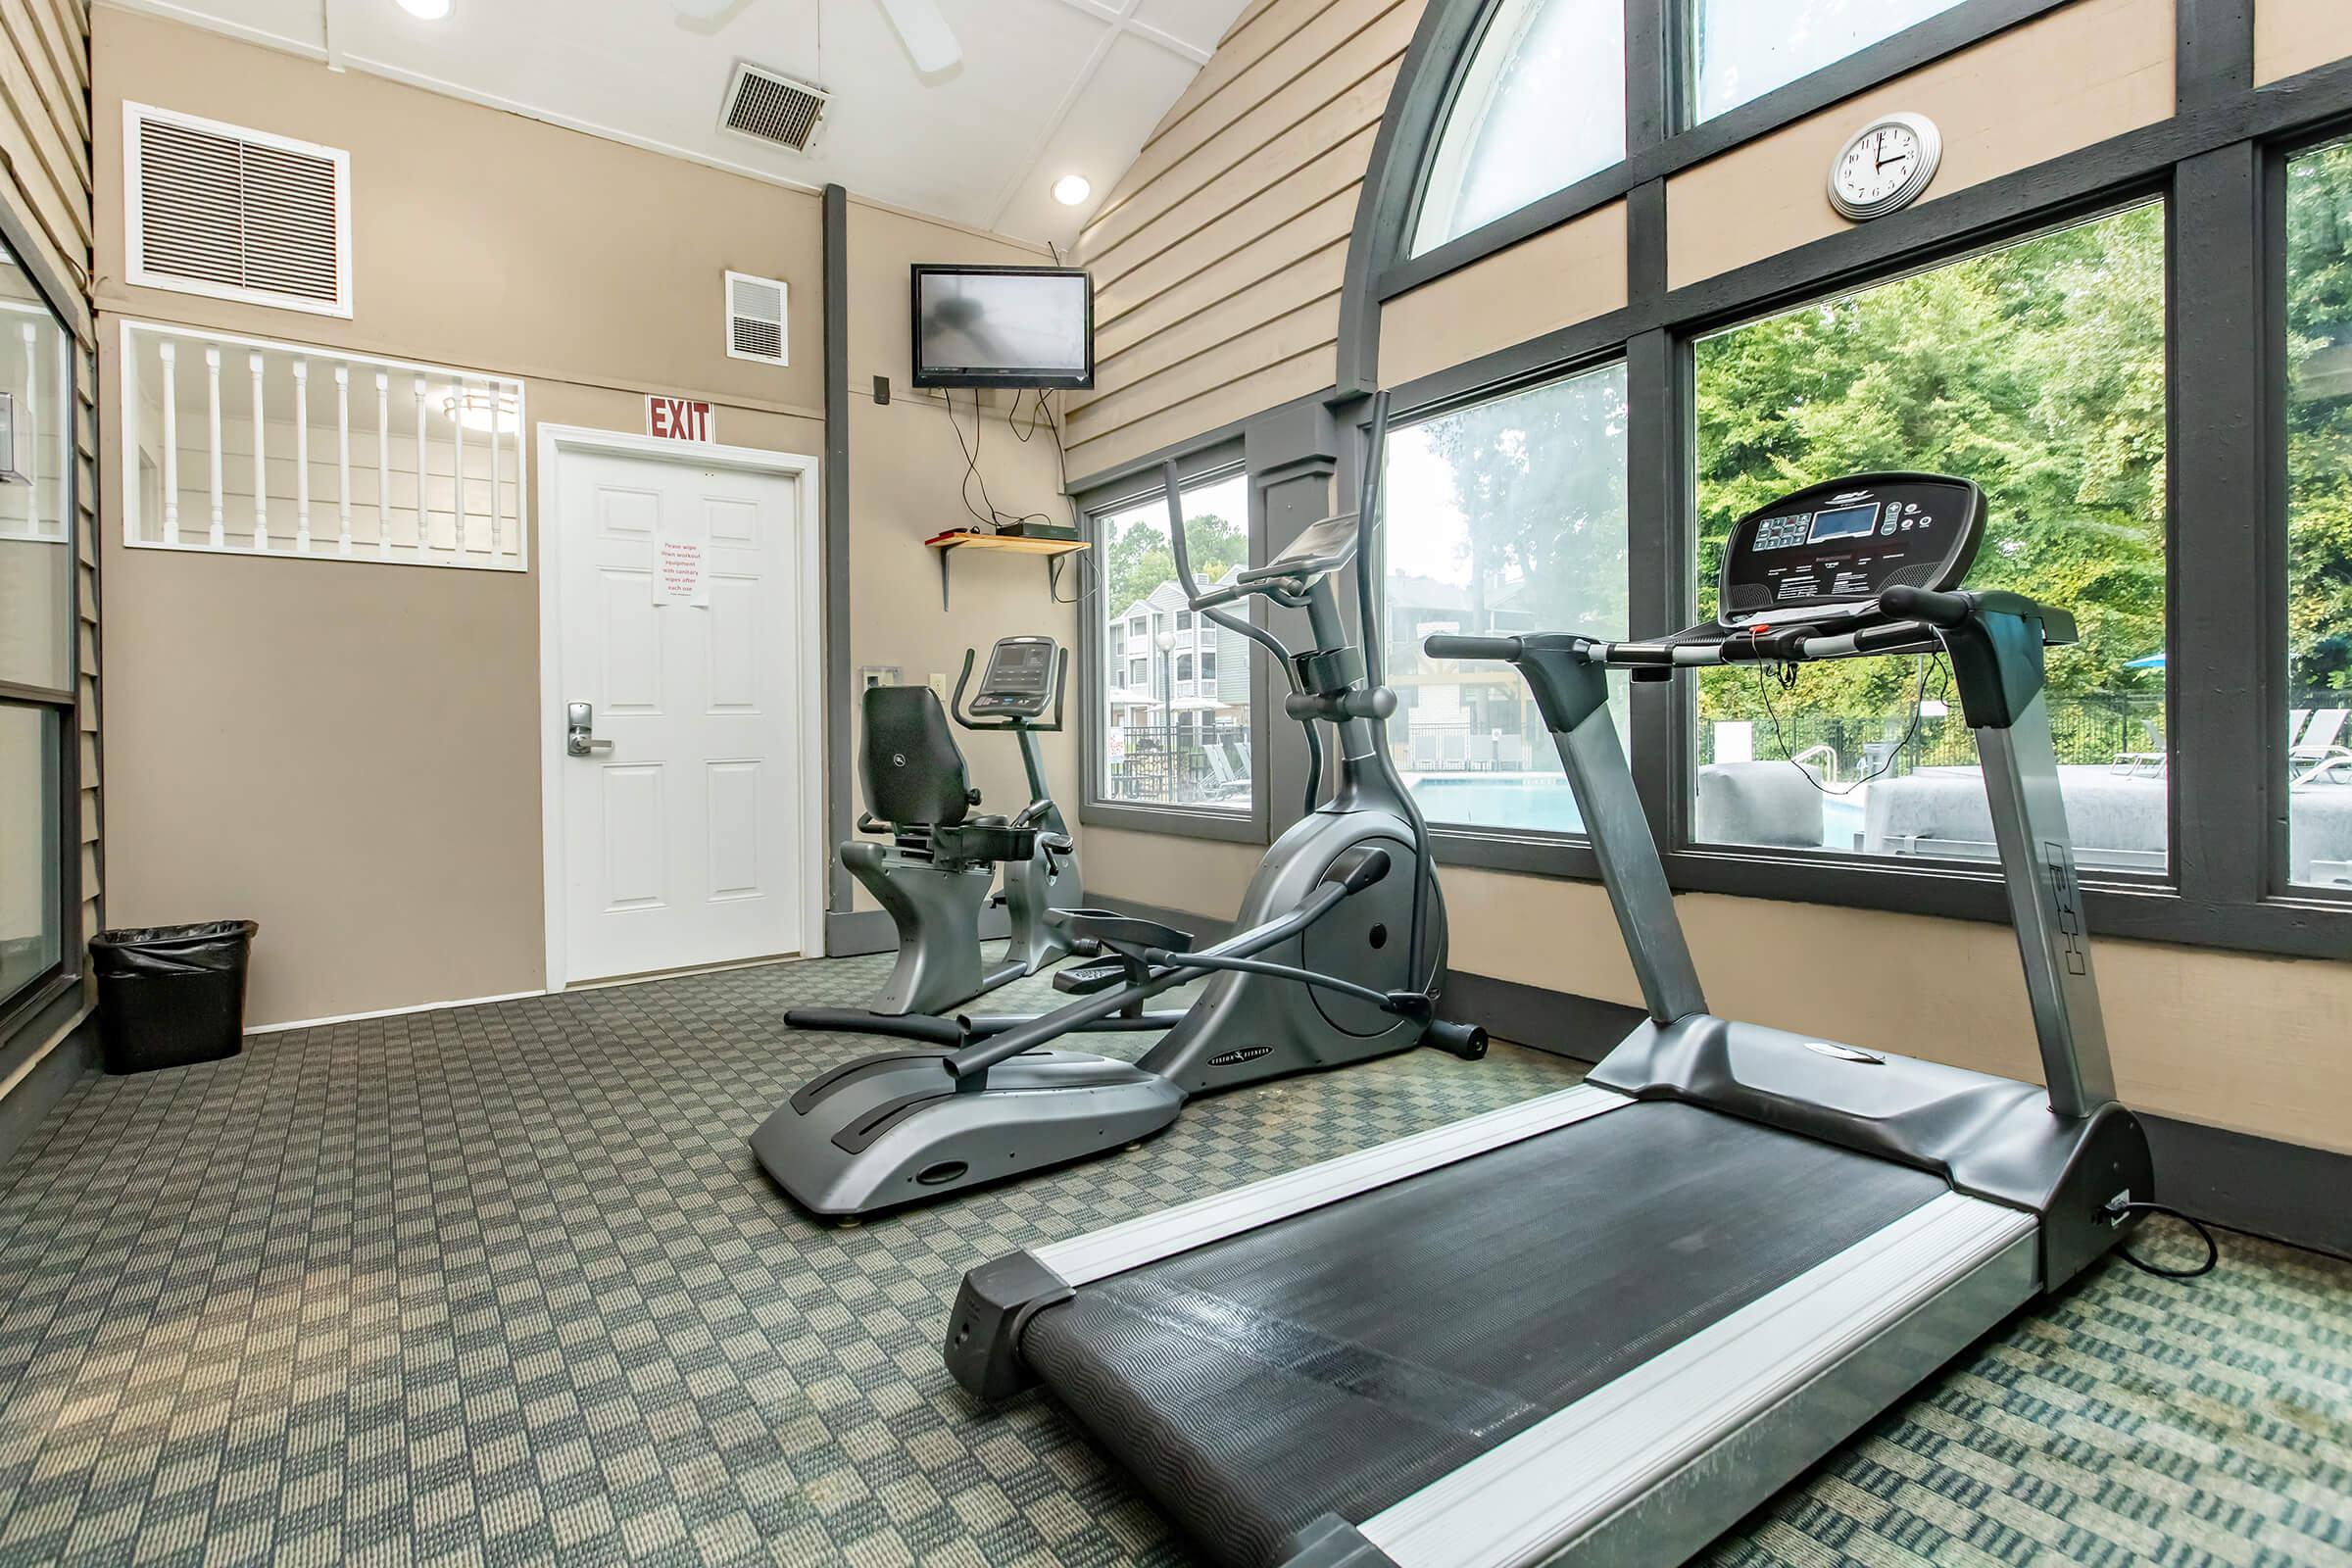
(925, 34)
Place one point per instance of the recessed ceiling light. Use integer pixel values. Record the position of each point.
(1069, 189)
(425, 10)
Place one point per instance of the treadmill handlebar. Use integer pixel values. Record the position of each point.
(1935, 608)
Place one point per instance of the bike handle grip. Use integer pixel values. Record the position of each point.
(1447, 645)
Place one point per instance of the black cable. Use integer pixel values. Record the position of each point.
(2120, 1211)
(1786, 676)
(992, 519)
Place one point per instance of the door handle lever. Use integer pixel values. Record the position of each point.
(579, 731)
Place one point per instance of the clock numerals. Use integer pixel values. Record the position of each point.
(1885, 167)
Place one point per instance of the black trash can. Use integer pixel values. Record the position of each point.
(172, 995)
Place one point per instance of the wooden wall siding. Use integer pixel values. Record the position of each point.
(1217, 259)
(45, 142)
(2292, 36)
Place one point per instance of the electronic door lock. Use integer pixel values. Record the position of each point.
(579, 731)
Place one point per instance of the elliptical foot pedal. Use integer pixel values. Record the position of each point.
(1084, 979)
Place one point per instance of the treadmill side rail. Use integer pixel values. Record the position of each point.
(1650, 1468)
(1116, 1248)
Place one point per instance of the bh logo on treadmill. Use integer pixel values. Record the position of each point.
(1234, 1058)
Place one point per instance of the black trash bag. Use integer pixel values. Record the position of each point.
(172, 995)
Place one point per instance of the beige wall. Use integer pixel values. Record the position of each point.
(2296, 35)
(1563, 275)
(1218, 256)
(907, 482)
(45, 178)
(2093, 69)
(2252, 1043)
(1195, 876)
(482, 240)
(347, 751)
(385, 877)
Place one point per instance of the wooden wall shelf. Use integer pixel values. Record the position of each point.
(947, 544)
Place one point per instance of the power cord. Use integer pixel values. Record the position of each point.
(1786, 675)
(2116, 1212)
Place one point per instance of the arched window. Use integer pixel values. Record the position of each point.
(1746, 48)
(1540, 106)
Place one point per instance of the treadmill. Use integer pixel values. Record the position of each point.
(1602, 1325)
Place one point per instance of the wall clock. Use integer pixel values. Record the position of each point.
(1885, 165)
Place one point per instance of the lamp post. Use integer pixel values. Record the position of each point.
(1166, 642)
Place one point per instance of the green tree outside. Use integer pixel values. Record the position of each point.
(1138, 559)
(2038, 372)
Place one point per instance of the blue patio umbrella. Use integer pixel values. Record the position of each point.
(2152, 661)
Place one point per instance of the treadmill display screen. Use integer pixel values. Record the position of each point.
(1840, 544)
(1843, 522)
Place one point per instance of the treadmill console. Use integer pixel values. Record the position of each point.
(1830, 551)
(1020, 680)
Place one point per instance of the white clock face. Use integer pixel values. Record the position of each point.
(1875, 166)
(1885, 165)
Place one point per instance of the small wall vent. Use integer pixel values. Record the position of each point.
(764, 105)
(757, 313)
(236, 213)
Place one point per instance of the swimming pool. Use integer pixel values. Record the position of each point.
(1543, 803)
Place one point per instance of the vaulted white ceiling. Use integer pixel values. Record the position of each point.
(1044, 87)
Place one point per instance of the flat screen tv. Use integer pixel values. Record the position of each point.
(1017, 327)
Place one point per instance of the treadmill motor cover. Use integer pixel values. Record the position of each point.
(1338, 1363)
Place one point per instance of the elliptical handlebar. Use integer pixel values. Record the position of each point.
(1451, 645)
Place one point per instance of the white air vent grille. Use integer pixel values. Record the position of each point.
(772, 108)
(756, 317)
(236, 213)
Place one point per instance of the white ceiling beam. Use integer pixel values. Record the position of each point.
(1170, 42)
(1121, 15)
(1061, 113)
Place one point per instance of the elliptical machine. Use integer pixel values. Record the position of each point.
(1339, 951)
(935, 875)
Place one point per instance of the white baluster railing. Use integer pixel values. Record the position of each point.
(270, 406)
(383, 465)
(261, 460)
(212, 375)
(302, 456)
(343, 458)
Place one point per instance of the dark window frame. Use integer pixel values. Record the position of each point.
(2275, 544)
(1210, 462)
(2218, 162)
(2219, 166)
(32, 1005)
(1544, 850)
(1662, 137)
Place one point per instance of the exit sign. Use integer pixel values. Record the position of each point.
(677, 419)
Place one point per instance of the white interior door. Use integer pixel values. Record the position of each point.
(684, 831)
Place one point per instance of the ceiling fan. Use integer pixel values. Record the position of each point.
(921, 26)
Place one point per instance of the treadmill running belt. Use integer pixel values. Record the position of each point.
(1339, 1361)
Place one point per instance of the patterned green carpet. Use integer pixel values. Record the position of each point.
(504, 1285)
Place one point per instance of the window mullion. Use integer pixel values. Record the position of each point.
(1658, 555)
(2228, 640)
(1650, 73)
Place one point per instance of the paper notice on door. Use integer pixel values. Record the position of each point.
(679, 577)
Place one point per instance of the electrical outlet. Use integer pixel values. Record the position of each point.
(939, 684)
